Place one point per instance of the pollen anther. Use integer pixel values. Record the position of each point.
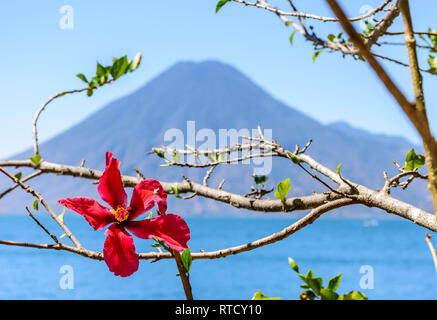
(121, 214)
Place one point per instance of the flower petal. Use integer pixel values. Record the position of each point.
(110, 187)
(170, 228)
(97, 215)
(119, 251)
(144, 198)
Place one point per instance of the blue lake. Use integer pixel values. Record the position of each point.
(395, 250)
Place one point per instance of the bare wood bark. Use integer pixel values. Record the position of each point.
(416, 112)
(184, 278)
(429, 142)
(360, 193)
(286, 232)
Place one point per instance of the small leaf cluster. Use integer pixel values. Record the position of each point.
(212, 157)
(336, 38)
(168, 163)
(369, 29)
(260, 180)
(104, 74)
(215, 157)
(315, 290)
(431, 43)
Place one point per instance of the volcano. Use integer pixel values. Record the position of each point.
(213, 96)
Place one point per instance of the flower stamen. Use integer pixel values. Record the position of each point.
(121, 214)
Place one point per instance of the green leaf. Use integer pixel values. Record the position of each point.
(62, 216)
(432, 61)
(213, 157)
(157, 245)
(310, 274)
(259, 296)
(413, 161)
(36, 159)
(331, 37)
(101, 70)
(261, 180)
(89, 92)
(293, 157)
(353, 295)
(175, 189)
(220, 4)
(18, 175)
(176, 158)
(291, 37)
(82, 77)
(35, 205)
(315, 284)
(338, 168)
(159, 153)
(334, 283)
(293, 264)
(187, 259)
(316, 54)
(282, 189)
(369, 28)
(326, 294)
(119, 67)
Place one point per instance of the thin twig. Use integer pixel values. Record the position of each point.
(42, 108)
(222, 253)
(29, 177)
(46, 205)
(431, 248)
(41, 225)
(183, 275)
(264, 5)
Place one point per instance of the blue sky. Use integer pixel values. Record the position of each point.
(39, 59)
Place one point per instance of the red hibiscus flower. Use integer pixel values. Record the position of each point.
(119, 248)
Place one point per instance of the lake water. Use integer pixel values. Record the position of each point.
(396, 251)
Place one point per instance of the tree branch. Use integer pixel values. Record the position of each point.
(429, 143)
